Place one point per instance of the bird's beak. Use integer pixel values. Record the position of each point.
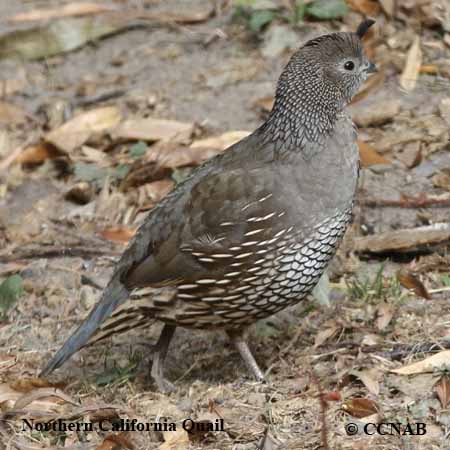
(371, 68)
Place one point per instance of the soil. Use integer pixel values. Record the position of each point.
(213, 74)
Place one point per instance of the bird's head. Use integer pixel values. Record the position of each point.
(335, 61)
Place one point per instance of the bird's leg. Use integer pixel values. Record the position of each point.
(237, 339)
(159, 357)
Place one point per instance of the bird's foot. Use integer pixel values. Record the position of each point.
(246, 355)
(164, 385)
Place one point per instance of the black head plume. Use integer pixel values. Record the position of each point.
(363, 27)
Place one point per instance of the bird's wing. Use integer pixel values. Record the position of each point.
(220, 218)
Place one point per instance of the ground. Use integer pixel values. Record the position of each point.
(71, 197)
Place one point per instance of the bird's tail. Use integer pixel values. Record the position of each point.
(114, 294)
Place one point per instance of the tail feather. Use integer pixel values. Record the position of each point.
(114, 294)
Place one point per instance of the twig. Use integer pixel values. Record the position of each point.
(407, 349)
(323, 410)
(53, 251)
(421, 201)
(99, 98)
(90, 282)
(13, 155)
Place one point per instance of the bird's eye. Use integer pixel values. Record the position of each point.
(349, 65)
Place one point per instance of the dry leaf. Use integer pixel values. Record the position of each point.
(91, 154)
(29, 384)
(408, 280)
(370, 378)
(370, 339)
(442, 388)
(325, 334)
(78, 130)
(188, 18)
(116, 442)
(403, 240)
(368, 7)
(360, 407)
(152, 130)
(388, 7)
(439, 361)
(7, 361)
(57, 36)
(441, 180)
(11, 114)
(265, 103)
(70, 10)
(430, 69)
(118, 234)
(8, 395)
(369, 156)
(222, 141)
(154, 192)
(43, 393)
(384, 315)
(175, 440)
(408, 78)
(37, 154)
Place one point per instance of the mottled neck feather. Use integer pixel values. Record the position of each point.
(305, 109)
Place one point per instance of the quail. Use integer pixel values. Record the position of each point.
(251, 231)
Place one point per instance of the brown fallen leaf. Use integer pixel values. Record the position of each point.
(43, 393)
(78, 130)
(37, 154)
(186, 18)
(442, 388)
(326, 334)
(6, 360)
(151, 130)
(369, 156)
(360, 407)
(403, 240)
(70, 10)
(431, 364)
(28, 384)
(430, 69)
(368, 7)
(388, 7)
(385, 313)
(175, 440)
(11, 114)
(152, 193)
(170, 155)
(370, 378)
(441, 180)
(116, 442)
(408, 280)
(265, 103)
(220, 142)
(118, 234)
(408, 78)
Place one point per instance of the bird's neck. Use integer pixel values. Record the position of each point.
(302, 114)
